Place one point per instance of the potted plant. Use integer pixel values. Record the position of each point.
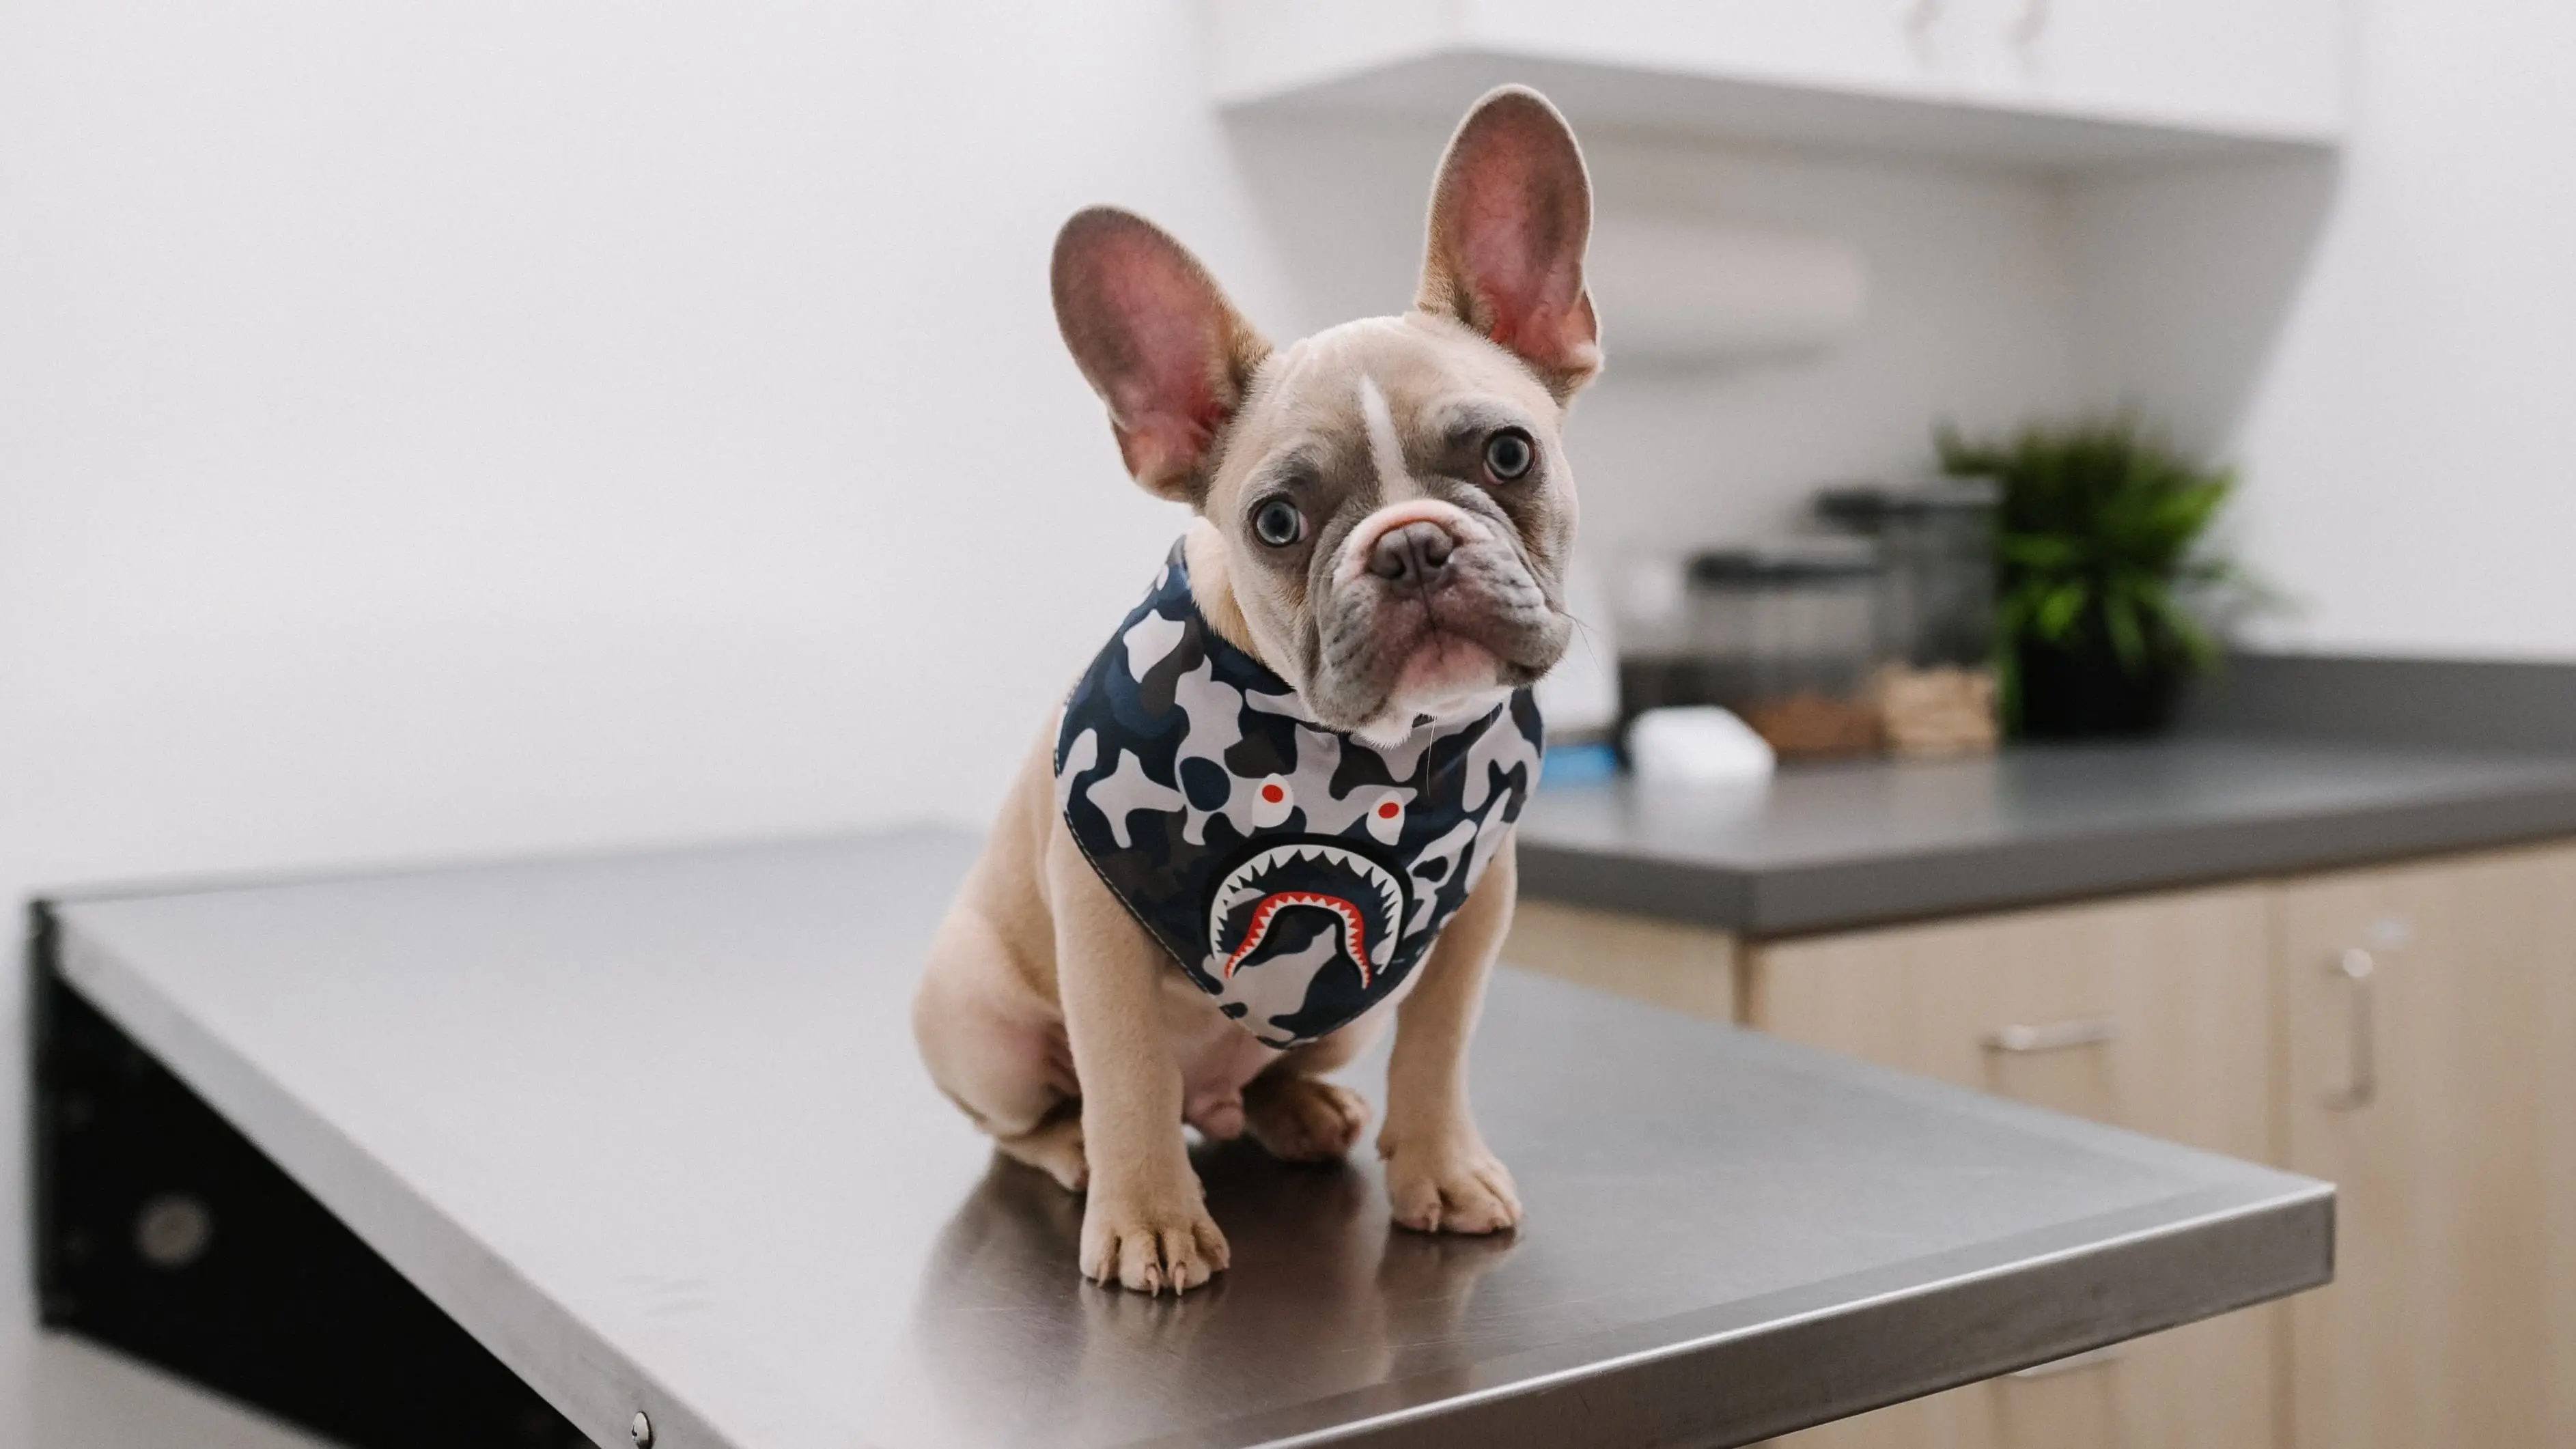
(2102, 579)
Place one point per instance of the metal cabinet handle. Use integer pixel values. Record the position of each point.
(2107, 1353)
(2355, 967)
(2053, 1036)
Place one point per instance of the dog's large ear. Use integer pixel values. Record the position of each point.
(1510, 213)
(1158, 341)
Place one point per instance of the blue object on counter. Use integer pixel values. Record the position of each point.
(1578, 765)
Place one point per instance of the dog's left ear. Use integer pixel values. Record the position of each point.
(1510, 213)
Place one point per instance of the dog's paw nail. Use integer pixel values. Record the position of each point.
(1147, 1250)
(1451, 1190)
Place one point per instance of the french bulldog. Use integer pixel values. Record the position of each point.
(1277, 810)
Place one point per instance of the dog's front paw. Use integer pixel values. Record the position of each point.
(1451, 1184)
(1151, 1245)
(1302, 1119)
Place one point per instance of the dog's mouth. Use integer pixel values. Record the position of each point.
(1518, 638)
(1443, 665)
(1424, 660)
(1365, 899)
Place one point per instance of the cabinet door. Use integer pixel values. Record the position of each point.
(2438, 1092)
(1678, 967)
(1914, 48)
(2260, 66)
(2153, 1014)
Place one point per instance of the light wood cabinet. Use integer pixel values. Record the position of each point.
(2151, 1013)
(2431, 1054)
(1681, 968)
(2407, 1032)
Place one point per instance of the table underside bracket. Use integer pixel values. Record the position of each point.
(160, 1231)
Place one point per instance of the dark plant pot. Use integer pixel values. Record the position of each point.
(2083, 693)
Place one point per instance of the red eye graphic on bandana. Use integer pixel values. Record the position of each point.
(1300, 898)
(1386, 819)
(1272, 799)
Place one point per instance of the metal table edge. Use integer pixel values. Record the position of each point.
(533, 1337)
(1645, 1393)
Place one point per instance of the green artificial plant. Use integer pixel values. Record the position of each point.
(2101, 564)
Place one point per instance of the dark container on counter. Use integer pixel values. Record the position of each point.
(1783, 634)
(1936, 550)
(1934, 613)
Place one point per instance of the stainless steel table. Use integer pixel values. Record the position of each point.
(650, 1130)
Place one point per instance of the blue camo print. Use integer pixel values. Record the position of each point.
(1293, 872)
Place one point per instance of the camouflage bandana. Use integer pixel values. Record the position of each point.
(1295, 873)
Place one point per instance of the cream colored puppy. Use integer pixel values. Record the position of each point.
(1277, 809)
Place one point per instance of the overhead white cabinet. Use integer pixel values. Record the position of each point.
(2057, 83)
(2255, 68)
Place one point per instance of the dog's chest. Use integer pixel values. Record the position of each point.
(1293, 872)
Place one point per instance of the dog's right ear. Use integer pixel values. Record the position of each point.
(1157, 340)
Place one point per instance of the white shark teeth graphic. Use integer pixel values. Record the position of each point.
(1239, 887)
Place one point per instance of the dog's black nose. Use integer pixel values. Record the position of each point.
(1414, 556)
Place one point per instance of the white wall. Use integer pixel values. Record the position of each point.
(1967, 316)
(430, 430)
(2387, 346)
(1966, 321)
(454, 428)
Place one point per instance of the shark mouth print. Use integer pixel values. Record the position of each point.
(1365, 898)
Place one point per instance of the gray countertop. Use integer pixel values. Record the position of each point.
(1826, 847)
(651, 1128)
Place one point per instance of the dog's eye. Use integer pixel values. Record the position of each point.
(1509, 454)
(1278, 523)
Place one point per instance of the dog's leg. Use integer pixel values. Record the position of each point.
(1146, 1223)
(1298, 1117)
(1440, 1176)
(1053, 1147)
(993, 1044)
(985, 1014)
